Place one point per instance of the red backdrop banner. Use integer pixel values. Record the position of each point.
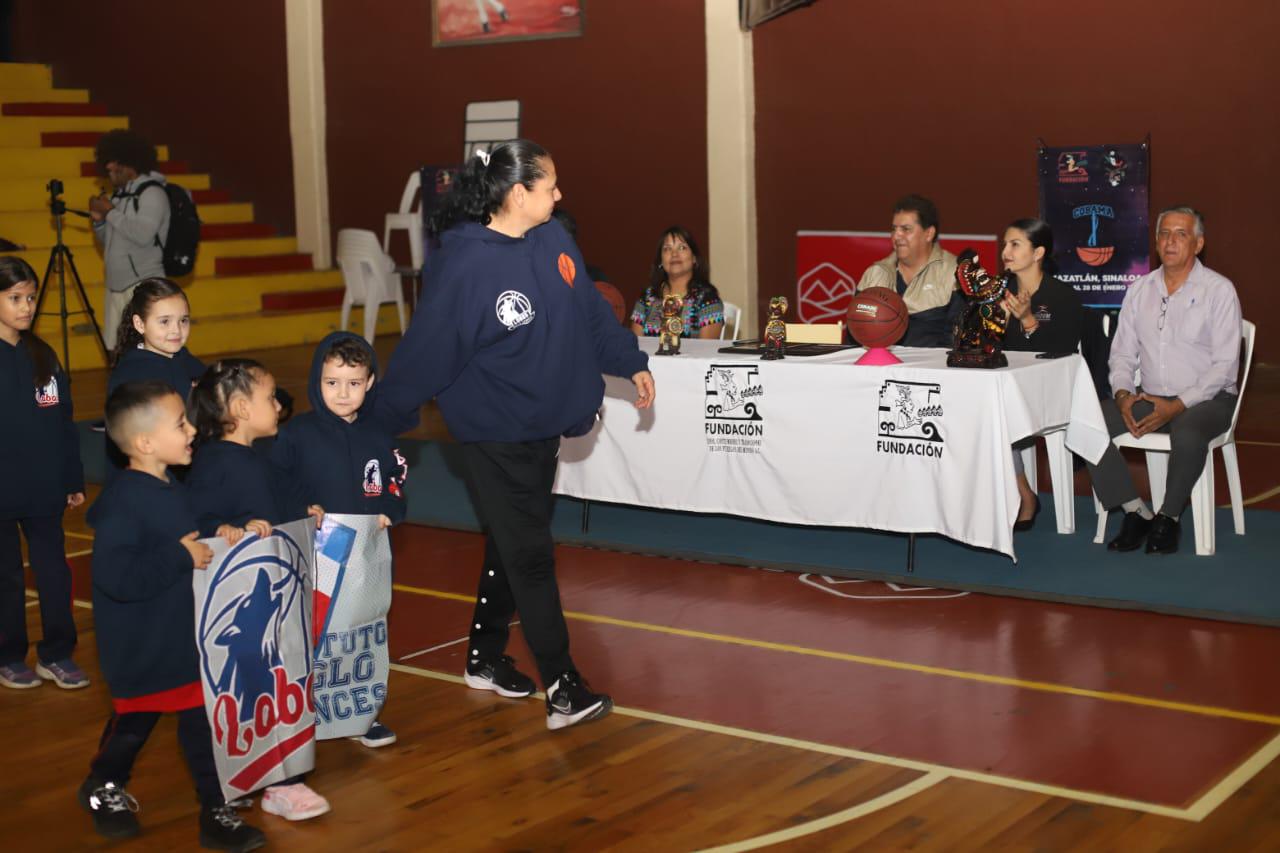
(830, 263)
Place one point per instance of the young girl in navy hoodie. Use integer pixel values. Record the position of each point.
(152, 344)
(40, 457)
(235, 488)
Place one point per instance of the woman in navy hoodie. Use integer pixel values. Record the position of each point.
(40, 456)
(511, 341)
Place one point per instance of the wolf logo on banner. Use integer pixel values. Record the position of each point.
(252, 620)
(352, 597)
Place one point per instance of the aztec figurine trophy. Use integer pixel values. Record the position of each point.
(672, 325)
(979, 332)
(775, 331)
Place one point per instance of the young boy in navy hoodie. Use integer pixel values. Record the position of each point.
(145, 549)
(342, 459)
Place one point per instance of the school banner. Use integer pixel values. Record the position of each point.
(829, 265)
(253, 609)
(1095, 199)
(352, 597)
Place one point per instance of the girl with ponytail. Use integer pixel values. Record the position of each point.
(42, 476)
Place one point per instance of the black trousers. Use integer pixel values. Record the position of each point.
(1189, 437)
(125, 735)
(53, 580)
(511, 488)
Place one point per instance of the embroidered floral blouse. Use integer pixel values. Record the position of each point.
(701, 308)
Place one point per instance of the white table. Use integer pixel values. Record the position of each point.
(913, 448)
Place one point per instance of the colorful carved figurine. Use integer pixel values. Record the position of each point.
(978, 333)
(775, 331)
(672, 325)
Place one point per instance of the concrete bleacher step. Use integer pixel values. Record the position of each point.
(31, 193)
(52, 108)
(248, 265)
(34, 229)
(65, 163)
(215, 296)
(164, 167)
(89, 260)
(25, 75)
(247, 333)
(20, 95)
(16, 132)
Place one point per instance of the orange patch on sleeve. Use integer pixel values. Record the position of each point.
(567, 269)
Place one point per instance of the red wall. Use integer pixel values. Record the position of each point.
(207, 79)
(622, 110)
(858, 103)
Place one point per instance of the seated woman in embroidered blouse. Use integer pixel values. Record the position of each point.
(679, 270)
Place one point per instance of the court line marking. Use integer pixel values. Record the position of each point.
(1260, 443)
(1269, 493)
(1235, 780)
(860, 755)
(74, 535)
(437, 648)
(875, 804)
(885, 663)
(75, 602)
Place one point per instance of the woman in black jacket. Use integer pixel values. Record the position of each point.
(1045, 315)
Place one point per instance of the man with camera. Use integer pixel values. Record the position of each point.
(129, 222)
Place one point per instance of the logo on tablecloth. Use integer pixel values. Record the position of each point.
(909, 419)
(733, 422)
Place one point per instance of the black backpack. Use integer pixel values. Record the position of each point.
(179, 245)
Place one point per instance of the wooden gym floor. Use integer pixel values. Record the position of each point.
(755, 709)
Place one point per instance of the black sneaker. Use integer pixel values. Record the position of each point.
(112, 808)
(501, 676)
(378, 735)
(570, 701)
(222, 829)
(1133, 533)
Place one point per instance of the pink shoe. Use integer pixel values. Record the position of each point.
(293, 802)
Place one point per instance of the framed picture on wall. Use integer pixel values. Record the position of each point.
(465, 22)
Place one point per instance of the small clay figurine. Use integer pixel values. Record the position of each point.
(775, 331)
(672, 325)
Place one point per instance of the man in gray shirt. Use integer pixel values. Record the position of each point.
(131, 223)
(1179, 331)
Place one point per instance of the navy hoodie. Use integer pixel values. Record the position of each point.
(143, 607)
(511, 338)
(233, 484)
(344, 467)
(39, 444)
(143, 365)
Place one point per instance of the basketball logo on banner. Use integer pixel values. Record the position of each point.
(252, 615)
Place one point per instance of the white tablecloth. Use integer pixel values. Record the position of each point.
(914, 447)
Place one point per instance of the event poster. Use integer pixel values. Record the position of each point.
(349, 621)
(1095, 198)
(253, 612)
(462, 22)
(829, 265)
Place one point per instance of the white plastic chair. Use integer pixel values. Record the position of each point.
(732, 313)
(408, 219)
(1156, 445)
(1061, 475)
(370, 278)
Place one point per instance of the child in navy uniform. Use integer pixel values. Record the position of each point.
(40, 457)
(152, 344)
(144, 552)
(343, 459)
(235, 487)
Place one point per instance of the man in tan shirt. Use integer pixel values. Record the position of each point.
(922, 273)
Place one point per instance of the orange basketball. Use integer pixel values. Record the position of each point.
(877, 317)
(567, 269)
(613, 296)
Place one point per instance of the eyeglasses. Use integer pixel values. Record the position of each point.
(1164, 312)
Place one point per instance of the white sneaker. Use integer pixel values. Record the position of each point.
(293, 802)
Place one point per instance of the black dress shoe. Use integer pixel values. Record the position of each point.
(1133, 532)
(1024, 524)
(1163, 538)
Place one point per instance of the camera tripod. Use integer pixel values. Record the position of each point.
(60, 261)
